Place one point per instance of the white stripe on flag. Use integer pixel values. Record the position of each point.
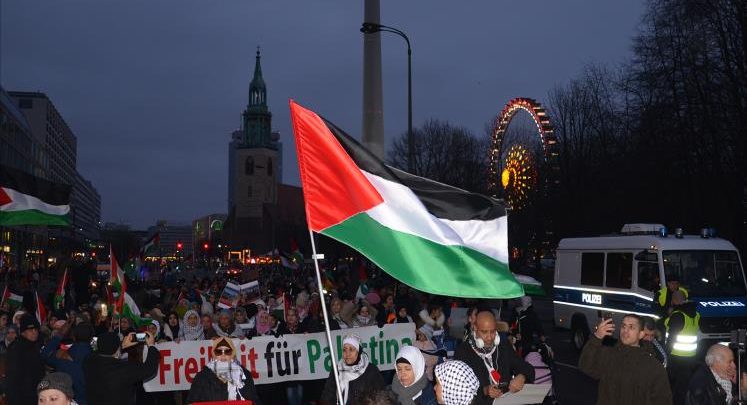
(23, 202)
(403, 211)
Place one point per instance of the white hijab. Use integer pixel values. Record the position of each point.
(415, 358)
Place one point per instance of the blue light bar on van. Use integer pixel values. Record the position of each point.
(663, 231)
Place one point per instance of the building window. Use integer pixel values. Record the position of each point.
(249, 192)
(249, 166)
(269, 166)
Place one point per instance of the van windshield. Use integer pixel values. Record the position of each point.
(706, 273)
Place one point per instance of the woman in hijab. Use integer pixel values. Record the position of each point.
(456, 383)
(191, 327)
(154, 327)
(263, 323)
(223, 379)
(410, 383)
(171, 328)
(366, 315)
(357, 374)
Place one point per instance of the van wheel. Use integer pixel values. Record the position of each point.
(579, 333)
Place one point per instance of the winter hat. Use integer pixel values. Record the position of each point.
(57, 381)
(157, 325)
(107, 343)
(28, 322)
(13, 327)
(224, 342)
(414, 357)
(352, 340)
(427, 330)
(458, 382)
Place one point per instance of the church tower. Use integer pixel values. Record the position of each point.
(253, 155)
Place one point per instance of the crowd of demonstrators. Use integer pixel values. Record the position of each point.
(497, 354)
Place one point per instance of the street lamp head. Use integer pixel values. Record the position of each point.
(370, 28)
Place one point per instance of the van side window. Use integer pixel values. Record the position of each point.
(648, 275)
(592, 269)
(619, 270)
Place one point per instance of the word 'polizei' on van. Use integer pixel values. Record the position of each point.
(622, 273)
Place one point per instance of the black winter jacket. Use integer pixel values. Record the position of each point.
(371, 379)
(509, 365)
(116, 381)
(25, 370)
(206, 387)
(703, 389)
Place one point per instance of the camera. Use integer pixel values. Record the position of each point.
(140, 337)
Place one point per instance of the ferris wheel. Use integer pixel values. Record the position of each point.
(523, 154)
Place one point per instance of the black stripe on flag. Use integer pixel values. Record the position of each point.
(45, 190)
(441, 200)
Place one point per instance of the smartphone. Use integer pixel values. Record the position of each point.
(604, 314)
(140, 337)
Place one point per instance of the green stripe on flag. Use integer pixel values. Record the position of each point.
(32, 217)
(426, 265)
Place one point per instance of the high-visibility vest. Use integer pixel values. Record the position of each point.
(686, 341)
(663, 295)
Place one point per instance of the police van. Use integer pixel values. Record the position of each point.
(610, 276)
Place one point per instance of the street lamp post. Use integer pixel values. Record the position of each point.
(370, 28)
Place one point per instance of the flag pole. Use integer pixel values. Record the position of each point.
(332, 351)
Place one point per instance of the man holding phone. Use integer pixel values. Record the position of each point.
(627, 373)
(111, 381)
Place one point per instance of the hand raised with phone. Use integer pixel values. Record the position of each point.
(605, 327)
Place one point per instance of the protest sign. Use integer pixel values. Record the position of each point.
(287, 358)
(229, 297)
(251, 291)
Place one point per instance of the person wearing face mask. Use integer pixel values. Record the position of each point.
(223, 379)
(456, 383)
(111, 381)
(56, 389)
(356, 373)
(410, 383)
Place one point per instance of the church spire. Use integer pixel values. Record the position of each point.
(257, 88)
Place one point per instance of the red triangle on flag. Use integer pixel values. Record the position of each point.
(4, 197)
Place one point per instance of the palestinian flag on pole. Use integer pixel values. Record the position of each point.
(30, 200)
(118, 283)
(41, 312)
(59, 296)
(431, 236)
(13, 299)
(150, 244)
(132, 311)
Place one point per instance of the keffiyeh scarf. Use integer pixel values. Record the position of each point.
(350, 373)
(458, 382)
(191, 332)
(230, 373)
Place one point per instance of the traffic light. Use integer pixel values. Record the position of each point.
(179, 245)
(205, 246)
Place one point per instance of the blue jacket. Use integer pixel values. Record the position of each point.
(78, 352)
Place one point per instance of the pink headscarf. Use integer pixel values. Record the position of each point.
(263, 322)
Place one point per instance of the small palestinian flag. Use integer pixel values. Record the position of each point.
(118, 283)
(150, 244)
(30, 200)
(13, 299)
(429, 235)
(41, 312)
(59, 296)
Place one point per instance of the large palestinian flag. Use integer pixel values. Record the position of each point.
(29, 200)
(431, 236)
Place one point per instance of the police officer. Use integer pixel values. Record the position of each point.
(665, 294)
(682, 342)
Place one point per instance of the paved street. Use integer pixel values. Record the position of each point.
(572, 387)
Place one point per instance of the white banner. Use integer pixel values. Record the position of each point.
(271, 360)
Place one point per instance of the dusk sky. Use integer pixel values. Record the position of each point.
(153, 89)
